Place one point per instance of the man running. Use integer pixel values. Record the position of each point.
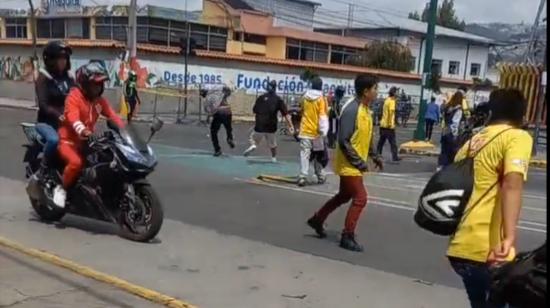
(313, 129)
(266, 109)
(350, 163)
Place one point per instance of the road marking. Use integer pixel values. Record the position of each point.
(85, 271)
(377, 201)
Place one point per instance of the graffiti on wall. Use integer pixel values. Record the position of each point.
(16, 68)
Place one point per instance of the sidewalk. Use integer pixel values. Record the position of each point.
(26, 282)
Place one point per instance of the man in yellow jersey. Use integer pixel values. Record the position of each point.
(387, 125)
(465, 106)
(352, 151)
(487, 233)
(313, 129)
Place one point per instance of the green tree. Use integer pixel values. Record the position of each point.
(414, 15)
(384, 55)
(446, 15)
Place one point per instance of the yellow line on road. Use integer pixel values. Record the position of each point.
(124, 285)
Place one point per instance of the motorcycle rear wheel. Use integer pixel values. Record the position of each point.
(151, 208)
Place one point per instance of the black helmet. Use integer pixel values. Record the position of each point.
(272, 86)
(340, 91)
(55, 50)
(93, 72)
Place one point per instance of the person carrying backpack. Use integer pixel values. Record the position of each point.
(477, 199)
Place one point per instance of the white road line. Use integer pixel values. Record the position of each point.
(377, 201)
(532, 223)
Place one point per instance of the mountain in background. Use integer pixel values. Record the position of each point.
(513, 39)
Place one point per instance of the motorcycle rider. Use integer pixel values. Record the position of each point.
(84, 105)
(52, 87)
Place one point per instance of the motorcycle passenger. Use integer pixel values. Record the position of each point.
(52, 87)
(83, 107)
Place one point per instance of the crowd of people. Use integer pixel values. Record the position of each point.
(69, 108)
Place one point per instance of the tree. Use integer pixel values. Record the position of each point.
(308, 74)
(414, 15)
(446, 15)
(384, 55)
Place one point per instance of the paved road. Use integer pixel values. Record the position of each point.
(200, 190)
(26, 282)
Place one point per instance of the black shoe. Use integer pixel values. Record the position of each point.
(321, 180)
(317, 226)
(231, 144)
(397, 159)
(348, 242)
(302, 182)
(217, 153)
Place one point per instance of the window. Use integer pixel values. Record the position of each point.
(307, 51)
(475, 69)
(454, 67)
(16, 27)
(162, 32)
(436, 66)
(111, 28)
(341, 55)
(413, 64)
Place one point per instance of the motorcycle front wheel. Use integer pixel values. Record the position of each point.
(46, 213)
(142, 223)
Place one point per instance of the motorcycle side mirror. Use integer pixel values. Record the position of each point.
(155, 126)
(113, 126)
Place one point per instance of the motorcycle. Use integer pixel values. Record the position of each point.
(112, 186)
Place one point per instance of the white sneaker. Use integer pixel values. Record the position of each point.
(59, 196)
(274, 160)
(249, 150)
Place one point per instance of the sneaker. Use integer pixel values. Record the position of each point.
(274, 160)
(59, 196)
(321, 180)
(348, 242)
(217, 153)
(398, 159)
(302, 182)
(231, 144)
(317, 226)
(249, 150)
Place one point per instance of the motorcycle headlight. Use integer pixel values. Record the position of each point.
(132, 154)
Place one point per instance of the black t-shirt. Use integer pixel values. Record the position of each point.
(51, 94)
(266, 108)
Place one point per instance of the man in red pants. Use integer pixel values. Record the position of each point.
(352, 152)
(83, 106)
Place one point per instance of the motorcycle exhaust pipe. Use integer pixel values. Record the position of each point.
(34, 190)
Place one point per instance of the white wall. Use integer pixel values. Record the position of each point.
(447, 50)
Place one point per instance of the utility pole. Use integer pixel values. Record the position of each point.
(34, 48)
(541, 99)
(420, 133)
(132, 32)
(186, 59)
(351, 8)
(528, 57)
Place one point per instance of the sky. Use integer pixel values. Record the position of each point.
(508, 11)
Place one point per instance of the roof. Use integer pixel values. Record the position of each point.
(242, 58)
(375, 20)
(262, 24)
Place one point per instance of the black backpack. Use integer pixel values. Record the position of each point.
(522, 282)
(442, 203)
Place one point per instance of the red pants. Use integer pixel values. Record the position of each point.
(351, 188)
(70, 153)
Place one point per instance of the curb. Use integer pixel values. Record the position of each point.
(11, 106)
(537, 163)
(150, 295)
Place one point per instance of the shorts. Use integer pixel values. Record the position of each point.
(256, 138)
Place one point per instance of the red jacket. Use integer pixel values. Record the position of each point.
(81, 114)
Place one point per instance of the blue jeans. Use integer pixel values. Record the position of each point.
(50, 137)
(476, 279)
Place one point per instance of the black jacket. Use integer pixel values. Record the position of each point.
(51, 93)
